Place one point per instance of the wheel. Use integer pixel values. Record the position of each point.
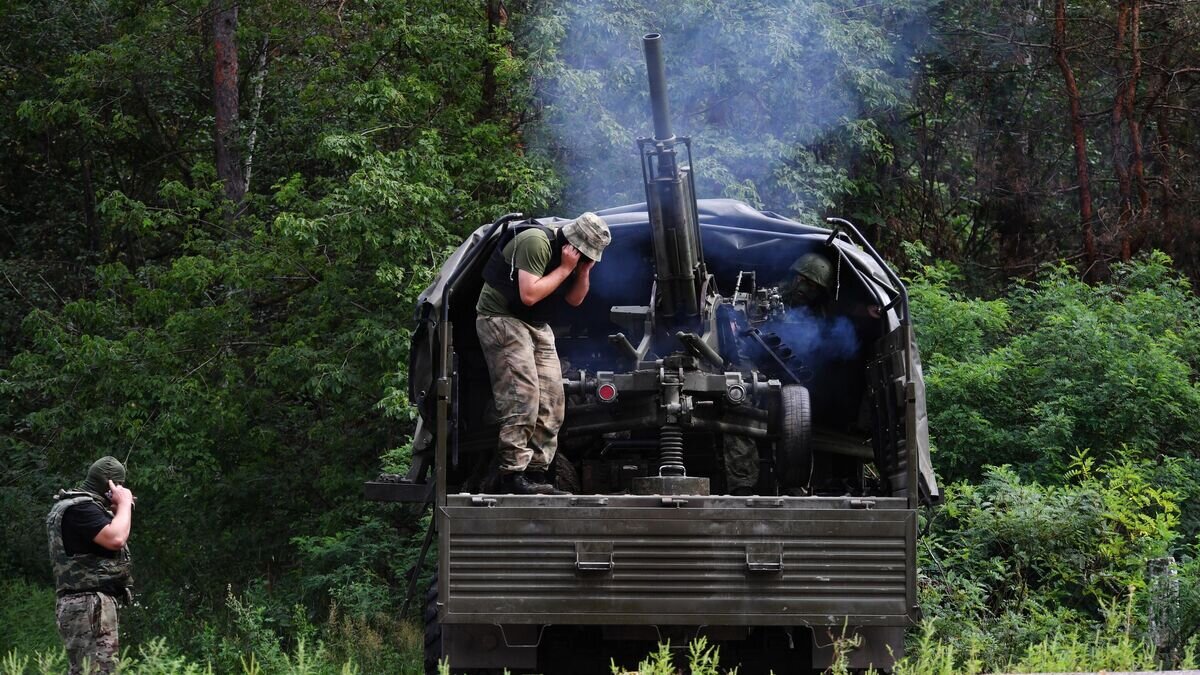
(793, 452)
(565, 477)
(433, 628)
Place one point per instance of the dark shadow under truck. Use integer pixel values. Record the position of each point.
(661, 368)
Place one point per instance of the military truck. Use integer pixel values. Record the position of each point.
(684, 344)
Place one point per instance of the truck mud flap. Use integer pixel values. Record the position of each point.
(677, 560)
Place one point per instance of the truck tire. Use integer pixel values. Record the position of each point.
(433, 628)
(565, 475)
(793, 452)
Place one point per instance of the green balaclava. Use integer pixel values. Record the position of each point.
(102, 471)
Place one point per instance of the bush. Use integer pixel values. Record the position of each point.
(1007, 564)
(1107, 649)
(27, 617)
(1058, 365)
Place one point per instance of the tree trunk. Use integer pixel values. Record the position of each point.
(225, 99)
(1165, 175)
(1136, 160)
(1120, 157)
(260, 74)
(497, 16)
(89, 201)
(1080, 139)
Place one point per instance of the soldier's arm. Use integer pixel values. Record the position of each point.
(579, 289)
(115, 534)
(534, 289)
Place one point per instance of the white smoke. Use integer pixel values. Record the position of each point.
(761, 87)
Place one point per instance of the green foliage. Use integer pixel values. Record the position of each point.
(250, 364)
(40, 663)
(156, 658)
(702, 659)
(1008, 564)
(1111, 648)
(27, 614)
(1087, 394)
(1061, 365)
(250, 370)
(990, 144)
(659, 662)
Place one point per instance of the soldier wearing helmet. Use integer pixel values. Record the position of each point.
(811, 283)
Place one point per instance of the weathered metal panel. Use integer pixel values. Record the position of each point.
(392, 491)
(801, 563)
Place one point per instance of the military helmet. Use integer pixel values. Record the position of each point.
(816, 268)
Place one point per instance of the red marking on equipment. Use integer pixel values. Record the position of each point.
(607, 392)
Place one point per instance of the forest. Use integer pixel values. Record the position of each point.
(216, 216)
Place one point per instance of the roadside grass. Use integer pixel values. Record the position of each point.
(156, 658)
(374, 651)
(1073, 651)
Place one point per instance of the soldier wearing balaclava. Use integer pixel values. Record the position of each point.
(88, 529)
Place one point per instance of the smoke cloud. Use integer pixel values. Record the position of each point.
(761, 87)
(814, 338)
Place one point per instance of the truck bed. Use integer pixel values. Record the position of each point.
(685, 560)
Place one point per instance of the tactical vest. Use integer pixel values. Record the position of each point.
(501, 274)
(83, 571)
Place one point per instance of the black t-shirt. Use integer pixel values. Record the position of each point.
(80, 525)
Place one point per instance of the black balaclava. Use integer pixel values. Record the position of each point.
(102, 471)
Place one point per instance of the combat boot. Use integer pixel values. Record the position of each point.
(539, 476)
(517, 483)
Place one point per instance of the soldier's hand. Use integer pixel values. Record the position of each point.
(120, 494)
(570, 257)
(586, 265)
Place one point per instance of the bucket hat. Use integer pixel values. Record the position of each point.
(588, 233)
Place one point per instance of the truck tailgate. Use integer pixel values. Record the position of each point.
(677, 560)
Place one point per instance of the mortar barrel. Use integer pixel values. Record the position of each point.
(657, 72)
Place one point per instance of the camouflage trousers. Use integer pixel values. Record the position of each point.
(527, 387)
(741, 463)
(87, 623)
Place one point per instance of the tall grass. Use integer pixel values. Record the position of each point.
(156, 658)
(929, 656)
(1067, 652)
(27, 617)
(358, 646)
(249, 643)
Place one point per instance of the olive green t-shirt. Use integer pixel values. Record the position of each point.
(529, 251)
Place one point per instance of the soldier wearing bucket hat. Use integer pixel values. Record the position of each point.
(525, 277)
(588, 233)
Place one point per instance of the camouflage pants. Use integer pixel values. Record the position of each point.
(741, 462)
(87, 623)
(527, 387)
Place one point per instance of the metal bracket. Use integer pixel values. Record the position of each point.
(760, 503)
(594, 556)
(765, 557)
